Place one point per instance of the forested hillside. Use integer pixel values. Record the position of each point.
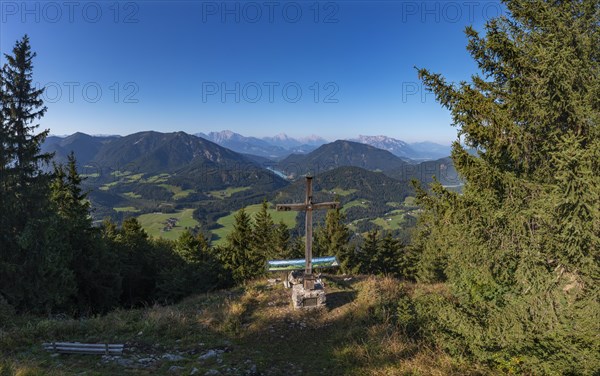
(337, 154)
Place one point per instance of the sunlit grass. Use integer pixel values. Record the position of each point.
(132, 195)
(226, 193)
(359, 202)
(352, 336)
(129, 209)
(341, 192)
(392, 221)
(154, 223)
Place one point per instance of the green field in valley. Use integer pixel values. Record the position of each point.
(289, 218)
(178, 193)
(129, 209)
(361, 203)
(132, 195)
(392, 221)
(154, 223)
(225, 193)
(341, 192)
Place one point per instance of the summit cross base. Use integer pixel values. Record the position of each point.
(309, 294)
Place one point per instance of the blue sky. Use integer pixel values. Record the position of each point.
(335, 69)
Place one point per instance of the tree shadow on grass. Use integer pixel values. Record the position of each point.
(339, 298)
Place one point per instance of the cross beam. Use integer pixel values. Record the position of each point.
(308, 206)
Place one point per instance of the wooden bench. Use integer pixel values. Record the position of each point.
(84, 348)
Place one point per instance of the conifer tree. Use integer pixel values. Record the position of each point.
(139, 269)
(332, 240)
(285, 246)
(21, 105)
(94, 264)
(192, 249)
(263, 234)
(34, 260)
(239, 255)
(368, 254)
(195, 269)
(520, 246)
(390, 257)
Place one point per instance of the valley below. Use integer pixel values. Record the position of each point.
(173, 182)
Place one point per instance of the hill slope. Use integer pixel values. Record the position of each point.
(151, 171)
(151, 152)
(83, 145)
(244, 331)
(347, 183)
(368, 198)
(337, 154)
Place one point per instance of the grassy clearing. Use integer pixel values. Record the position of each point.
(160, 178)
(108, 186)
(360, 203)
(134, 178)
(254, 327)
(129, 209)
(392, 221)
(341, 192)
(154, 223)
(131, 195)
(183, 194)
(178, 193)
(91, 176)
(289, 218)
(223, 194)
(120, 174)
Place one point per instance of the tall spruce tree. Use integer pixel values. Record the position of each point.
(390, 258)
(21, 105)
(520, 247)
(239, 255)
(368, 253)
(194, 270)
(284, 245)
(263, 234)
(34, 259)
(139, 266)
(332, 240)
(94, 264)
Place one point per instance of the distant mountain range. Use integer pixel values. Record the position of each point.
(275, 147)
(281, 145)
(152, 171)
(154, 152)
(415, 151)
(291, 143)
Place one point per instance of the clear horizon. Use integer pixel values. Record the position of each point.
(246, 135)
(333, 69)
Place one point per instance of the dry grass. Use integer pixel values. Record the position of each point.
(357, 334)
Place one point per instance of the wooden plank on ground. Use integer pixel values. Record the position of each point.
(84, 348)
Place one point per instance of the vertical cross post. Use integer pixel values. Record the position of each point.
(308, 206)
(308, 225)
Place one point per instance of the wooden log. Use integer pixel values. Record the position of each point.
(84, 348)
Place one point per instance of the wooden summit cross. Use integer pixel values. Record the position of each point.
(308, 206)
